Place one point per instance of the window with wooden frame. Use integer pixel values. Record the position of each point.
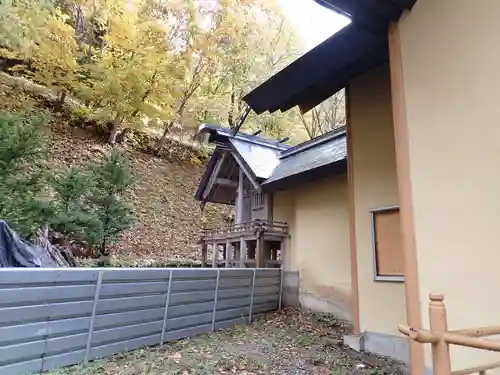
(258, 200)
(388, 255)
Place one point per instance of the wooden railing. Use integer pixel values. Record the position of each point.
(255, 226)
(440, 339)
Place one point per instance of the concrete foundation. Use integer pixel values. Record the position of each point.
(395, 347)
(324, 305)
(290, 289)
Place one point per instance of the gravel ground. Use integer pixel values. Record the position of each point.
(284, 343)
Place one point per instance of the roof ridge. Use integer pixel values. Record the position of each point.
(307, 145)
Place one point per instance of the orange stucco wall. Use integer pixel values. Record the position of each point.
(382, 304)
(318, 248)
(450, 61)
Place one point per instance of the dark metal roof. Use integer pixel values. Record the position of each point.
(261, 160)
(277, 165)
(317, 75)
(259, 157)
(218, 194)
(309, 156)
(371, 14)
(321, 72)
(206, 176)
(221, 134)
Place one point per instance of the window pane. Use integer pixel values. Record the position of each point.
(388, 250)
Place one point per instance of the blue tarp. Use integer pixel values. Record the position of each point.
(15, 252)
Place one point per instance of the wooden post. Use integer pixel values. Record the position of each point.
(239, 199)
(215, 255)
(228, 253)
(439, 325)
(282, 254)
(274, 254)
(243, 252)
(259, 252)
(204, 253)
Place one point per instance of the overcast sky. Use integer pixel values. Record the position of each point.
(314, 22)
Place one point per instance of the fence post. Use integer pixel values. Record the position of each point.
(214, 312)
(282, 272)
(251, 296)
(92, 318)
(439, 325)
(167, 302)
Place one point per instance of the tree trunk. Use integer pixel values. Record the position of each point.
(163, 139)
(42, 241)
(102, 249)
(114, 128)
(168, 127)
(60, 101)
(230, 115)
(122, 137)
(79, 26)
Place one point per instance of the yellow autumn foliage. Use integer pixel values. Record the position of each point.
(150, 61)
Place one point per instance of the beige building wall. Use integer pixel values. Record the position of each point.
(452, 89)
(284, 211)
(382, 304)
(317, 214)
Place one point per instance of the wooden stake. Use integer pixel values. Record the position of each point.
(439, 325)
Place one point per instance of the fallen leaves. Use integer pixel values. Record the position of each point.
(169, 220)
(270, 346)
(176, 357)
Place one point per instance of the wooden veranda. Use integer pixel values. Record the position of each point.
(258, 243)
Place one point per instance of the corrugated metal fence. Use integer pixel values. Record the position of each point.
(51, 318)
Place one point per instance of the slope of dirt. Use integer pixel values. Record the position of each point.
(168, 219)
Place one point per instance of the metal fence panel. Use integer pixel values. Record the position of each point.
(36, 276)
(52, 293)
(23, 367)
(123, 333)
(122, 346)
(111, 305)
(64, 359)
(188, 332)
(58, 317)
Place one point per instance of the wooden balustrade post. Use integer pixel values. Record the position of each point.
(215, 254)
(439, 325)
(227, 254)
(204, 251)
(243, 252)
(259, 252)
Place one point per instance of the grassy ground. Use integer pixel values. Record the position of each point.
(285, 343)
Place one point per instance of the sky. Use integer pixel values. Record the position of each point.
(314, 23)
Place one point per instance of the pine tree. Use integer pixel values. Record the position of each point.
(23, 154)
(112, 180)
(74, 217)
